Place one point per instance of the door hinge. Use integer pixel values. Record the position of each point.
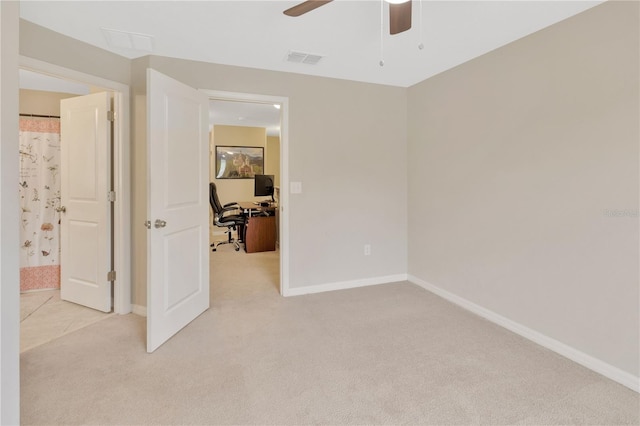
(111, 276)
(111, 196)
(111, 116)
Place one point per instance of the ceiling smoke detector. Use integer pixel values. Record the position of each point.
(303, 58)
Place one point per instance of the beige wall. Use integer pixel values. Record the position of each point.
(139, 183)
(48, 46)
(139, 212)
(272, 159)
(515, 158)
(235, 189)
(40, 102)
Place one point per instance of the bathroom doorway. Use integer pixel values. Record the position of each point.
(44, 316)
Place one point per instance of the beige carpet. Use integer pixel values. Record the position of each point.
(389, 354)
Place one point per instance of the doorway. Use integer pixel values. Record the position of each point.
(245, 135)
(46, 311)
(120, 176)
(271, 114)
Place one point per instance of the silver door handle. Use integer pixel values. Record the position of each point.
(160, 223)
(62, 209)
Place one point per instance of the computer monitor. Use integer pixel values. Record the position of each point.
(263, 186)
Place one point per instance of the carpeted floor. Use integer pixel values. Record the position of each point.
(388, 354)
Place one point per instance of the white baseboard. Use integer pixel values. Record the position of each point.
(597, 365)
(343, 285)
(139, 310)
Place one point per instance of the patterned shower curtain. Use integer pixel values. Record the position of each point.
(39, 201)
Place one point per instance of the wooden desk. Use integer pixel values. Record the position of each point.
(250, 208)
(260, 231)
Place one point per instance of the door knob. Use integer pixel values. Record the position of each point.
(160, 223)
(62, 209)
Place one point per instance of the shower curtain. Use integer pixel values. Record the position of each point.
(39, 201)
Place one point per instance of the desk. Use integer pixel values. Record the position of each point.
(251, 209)
(260, 231)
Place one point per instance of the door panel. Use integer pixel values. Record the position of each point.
(178, 247)
(85, 249)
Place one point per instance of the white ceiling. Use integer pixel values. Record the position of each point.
(347, 33)
(245, 114)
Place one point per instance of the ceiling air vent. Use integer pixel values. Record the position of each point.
(303, 58)
(126, 40)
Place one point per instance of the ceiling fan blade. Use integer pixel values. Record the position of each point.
(399, 17)
(305, 6)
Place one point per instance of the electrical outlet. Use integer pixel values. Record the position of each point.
(367, 249)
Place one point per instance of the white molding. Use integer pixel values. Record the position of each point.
(121, 171)
(139, 310)
(343, 285)
(283, 201)
(53, 70)
(594, 364)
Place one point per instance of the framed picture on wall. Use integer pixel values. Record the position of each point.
(239, 162)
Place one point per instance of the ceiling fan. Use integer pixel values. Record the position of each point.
(399, 12)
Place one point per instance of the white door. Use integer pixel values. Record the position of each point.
(85, 221)
(178, 209)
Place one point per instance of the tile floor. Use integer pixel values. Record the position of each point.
(45, 317)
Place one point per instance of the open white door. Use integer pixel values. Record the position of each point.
(85, 238)
(178, 209)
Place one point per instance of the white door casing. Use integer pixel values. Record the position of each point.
(178, 209)
(85, 238)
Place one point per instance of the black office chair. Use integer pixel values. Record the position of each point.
(229, 216)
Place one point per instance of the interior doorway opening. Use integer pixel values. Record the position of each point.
(44, 87)
(49, 262)
(240, 120)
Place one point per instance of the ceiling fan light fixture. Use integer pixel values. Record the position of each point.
(396, 1)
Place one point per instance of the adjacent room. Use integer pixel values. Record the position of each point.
(444, 228)
(44, 314)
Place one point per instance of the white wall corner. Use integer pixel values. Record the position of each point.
(343, 285)
(594, 364)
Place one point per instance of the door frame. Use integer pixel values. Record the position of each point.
(121, 172)
(283, 201)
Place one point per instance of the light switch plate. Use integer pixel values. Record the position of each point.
(296, 187)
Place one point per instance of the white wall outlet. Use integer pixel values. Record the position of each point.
(367, 249)
(296, 187)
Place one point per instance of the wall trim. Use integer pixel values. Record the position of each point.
(139, 310)
(594, 364)
(343, 285)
